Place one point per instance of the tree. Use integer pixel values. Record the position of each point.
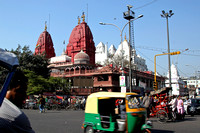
(3, 72)
(35, 63)
(116, 60)
(36, 83)
(36, 70)
(59, 84)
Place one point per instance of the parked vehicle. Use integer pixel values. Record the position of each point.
(115, 112)
(195, 106)
(30, 104)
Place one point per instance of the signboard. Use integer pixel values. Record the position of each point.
(122, 81)
(123, 89)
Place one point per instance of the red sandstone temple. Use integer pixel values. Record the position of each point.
(77, 64)
(44, 45)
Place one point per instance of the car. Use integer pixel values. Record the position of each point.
(196, 104)
(193, 108)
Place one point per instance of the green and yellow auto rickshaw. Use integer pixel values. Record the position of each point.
(115, 112)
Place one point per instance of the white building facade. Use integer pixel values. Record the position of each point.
(177, 83)
(102, 54)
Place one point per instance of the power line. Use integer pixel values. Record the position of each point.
(181, 71)
(149, 3)
(162, 50)
(152, 60)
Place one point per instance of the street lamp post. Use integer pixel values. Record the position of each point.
(120, 42)
(168, 15)
(121, 31)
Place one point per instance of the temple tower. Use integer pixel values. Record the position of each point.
(44, 45)
(81, 38)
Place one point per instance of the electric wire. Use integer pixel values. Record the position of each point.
(162, 50)
(152, 60)
(149, 3)
(179, 70)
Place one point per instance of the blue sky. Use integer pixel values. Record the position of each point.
(22, 21)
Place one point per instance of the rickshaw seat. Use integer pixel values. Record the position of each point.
(105, 121)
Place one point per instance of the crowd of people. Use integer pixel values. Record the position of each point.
(176, 104)
(55, 102)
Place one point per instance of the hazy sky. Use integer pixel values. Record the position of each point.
(22, 21)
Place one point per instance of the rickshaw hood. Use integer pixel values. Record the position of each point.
(92, 100)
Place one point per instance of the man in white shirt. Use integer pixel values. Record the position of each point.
(173, 103)
(12, 119)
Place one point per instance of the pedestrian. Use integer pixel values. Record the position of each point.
(12, 119)
(187, 104)
(41, 104)
(147, 103)
(180, 106)
(173, 103)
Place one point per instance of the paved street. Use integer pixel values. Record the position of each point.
(71, 122)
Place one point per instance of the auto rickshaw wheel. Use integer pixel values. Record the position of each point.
(89, 129)
(162, 116)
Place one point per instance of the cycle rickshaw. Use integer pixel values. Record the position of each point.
(160, 105)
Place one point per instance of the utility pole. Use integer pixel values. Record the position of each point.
(129, 15)
(168, 15)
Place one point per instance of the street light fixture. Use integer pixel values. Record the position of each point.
(168, 15)
(121, 31)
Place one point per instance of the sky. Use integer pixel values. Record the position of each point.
(22, 22)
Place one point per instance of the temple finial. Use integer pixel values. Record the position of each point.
(45, 26)
(79, 20)
(125, 37)
(83, 16)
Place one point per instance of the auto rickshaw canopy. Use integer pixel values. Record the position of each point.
(92, 100)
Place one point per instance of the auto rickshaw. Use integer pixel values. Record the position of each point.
(115, 112)
(9, 62)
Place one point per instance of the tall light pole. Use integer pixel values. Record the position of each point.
(121, 31)
(120, 42)
(129, 15)
(168, 15)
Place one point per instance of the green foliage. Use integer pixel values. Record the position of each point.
(36, 83)
(28, 61)
(3, 73)
(57, 83)
(36, 70)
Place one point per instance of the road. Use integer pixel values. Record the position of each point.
(71, 122)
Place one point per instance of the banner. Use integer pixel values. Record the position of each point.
(122, 81)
